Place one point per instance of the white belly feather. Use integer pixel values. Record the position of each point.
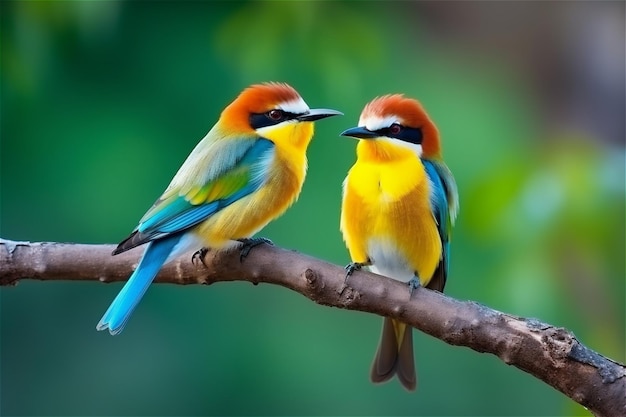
(388, 260)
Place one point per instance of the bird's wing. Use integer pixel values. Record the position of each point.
(179, 209)
(444, 203)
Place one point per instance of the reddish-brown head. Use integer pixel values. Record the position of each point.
(269, 104)
(399, 118)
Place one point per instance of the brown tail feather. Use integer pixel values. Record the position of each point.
(391, 360)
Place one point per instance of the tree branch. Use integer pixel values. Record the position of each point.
(549, 353)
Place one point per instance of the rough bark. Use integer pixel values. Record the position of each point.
(549, 353)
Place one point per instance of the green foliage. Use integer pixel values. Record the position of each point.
(102, 101)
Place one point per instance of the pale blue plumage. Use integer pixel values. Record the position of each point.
(118, 313)
(182, 215)
(167, 225)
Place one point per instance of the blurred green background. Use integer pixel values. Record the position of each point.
(102, 101)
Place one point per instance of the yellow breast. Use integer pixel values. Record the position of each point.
(386, 214)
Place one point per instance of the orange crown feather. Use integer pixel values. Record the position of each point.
(257, 98)
(412, 114)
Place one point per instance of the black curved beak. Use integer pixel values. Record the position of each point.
(360, 133)
(317, 114)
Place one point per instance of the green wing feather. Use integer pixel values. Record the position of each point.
(180, 208)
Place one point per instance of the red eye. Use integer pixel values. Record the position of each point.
(275, 114)
(395, 128)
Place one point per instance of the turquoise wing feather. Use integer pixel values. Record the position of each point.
(444, 203)
(178, 210)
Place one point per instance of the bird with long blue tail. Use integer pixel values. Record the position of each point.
(246, 171)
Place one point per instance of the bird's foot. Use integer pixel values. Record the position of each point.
(249, 243)
(414, 283)
(354, 266)
(199, 255)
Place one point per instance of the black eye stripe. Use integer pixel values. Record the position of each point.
(259, 120)
(407, 134)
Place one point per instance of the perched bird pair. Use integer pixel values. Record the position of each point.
(399, 199)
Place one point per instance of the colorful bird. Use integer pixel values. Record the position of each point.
(399, 203)
(247, 171)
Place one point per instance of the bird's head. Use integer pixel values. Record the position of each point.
(396, 122)
(273, 110)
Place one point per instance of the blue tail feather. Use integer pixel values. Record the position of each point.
(123, 305)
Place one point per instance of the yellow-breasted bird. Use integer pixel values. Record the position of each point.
(399, 203)
(248, 170)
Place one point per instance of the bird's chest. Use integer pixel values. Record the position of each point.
(389, 207)
(388, 188)
(288, 168)
(287, 172)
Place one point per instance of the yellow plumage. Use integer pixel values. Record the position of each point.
(386, 200)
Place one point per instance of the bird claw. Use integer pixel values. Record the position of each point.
(351, 267)
(414, 283)
(249, 243)
(199, 255)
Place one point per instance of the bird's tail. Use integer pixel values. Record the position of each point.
(395, 355)
(123, 305)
